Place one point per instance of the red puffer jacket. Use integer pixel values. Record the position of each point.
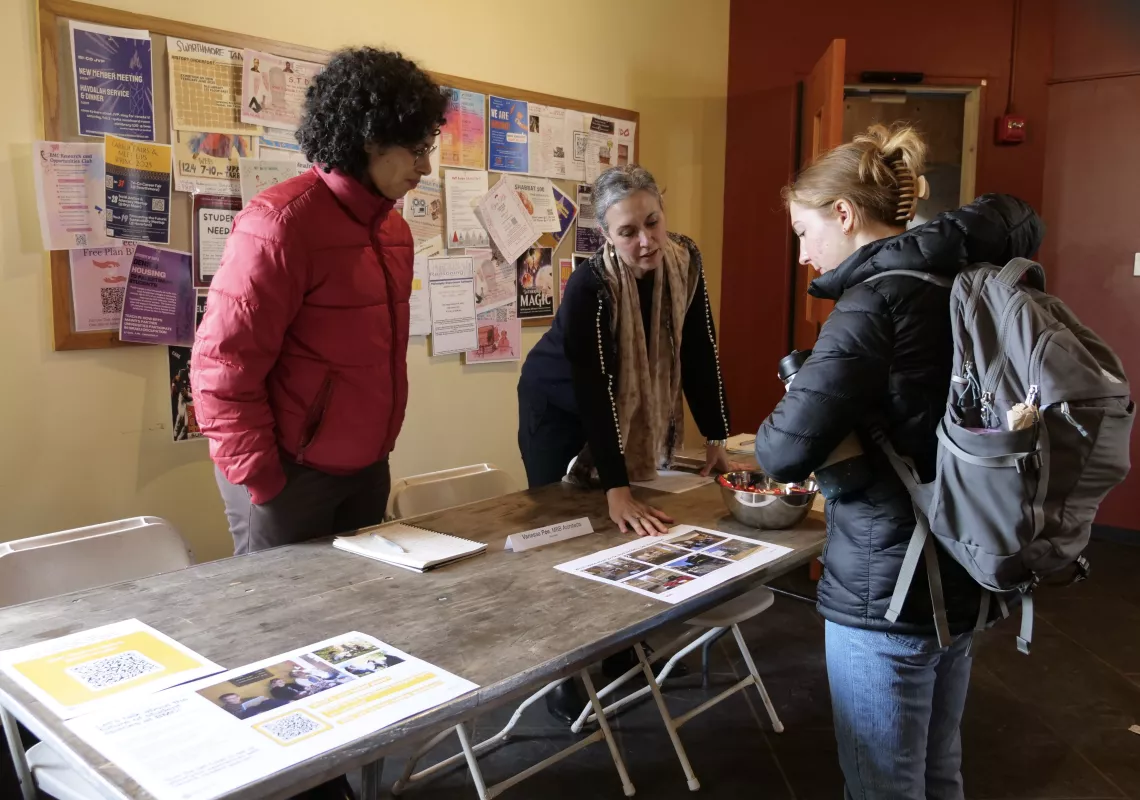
(302, 353)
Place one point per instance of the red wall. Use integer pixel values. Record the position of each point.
(774, 45)
(1092, 167)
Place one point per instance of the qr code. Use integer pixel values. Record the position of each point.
(110, 182)
(104, 673)
(291, 726)
(112, 297)
(158, 204)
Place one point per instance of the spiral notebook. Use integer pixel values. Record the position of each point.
(421, 549)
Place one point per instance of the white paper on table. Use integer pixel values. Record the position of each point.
(463, 188)
(743, 444)
(183, 744)
(419, 303)
(674, 481)
(537, 197)
(452, 284)
(494, 280)
(69, 192)
(103, 667)
(677, 566)
(259, 174)
(98, 282)
(423, 210)
(507, 221)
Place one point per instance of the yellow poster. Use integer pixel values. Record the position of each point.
(79, 673)
(129, 154)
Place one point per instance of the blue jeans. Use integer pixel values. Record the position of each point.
(897, 702)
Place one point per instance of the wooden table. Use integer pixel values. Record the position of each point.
(507, 621)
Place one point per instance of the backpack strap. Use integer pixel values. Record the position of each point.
(1025, 638)
(1016, 269)
(937, 280)
(921, 544)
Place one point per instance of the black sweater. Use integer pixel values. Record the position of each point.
(574, 361)
(885, 353)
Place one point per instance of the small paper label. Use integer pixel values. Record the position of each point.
(517, 542)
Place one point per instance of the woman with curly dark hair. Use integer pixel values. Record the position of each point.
(299, 368)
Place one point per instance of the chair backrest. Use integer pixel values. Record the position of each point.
(68, 561)
(435, 491)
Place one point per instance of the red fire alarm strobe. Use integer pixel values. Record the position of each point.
(1011, 129)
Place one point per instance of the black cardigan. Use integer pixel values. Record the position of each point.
(575, 360)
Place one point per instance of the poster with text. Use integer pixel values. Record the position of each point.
(183, 423)
(69, 192)
(565, 270)
(499, 333)
(98, 282)
(464, 188)
(423, 210)
(419, 303)
(208, 162)
(588, 236)
(273, 89)
(259, 174)
(610, 144)
(537, 197)
(463, 136)
(494, 280)
(138, 190)
(536, 283)
(158, 307)
(205, 87)
(557, 142)
(508, 144)
(114, 91)
(213, 221)
(452, 289)
(279, 144)
(567, 212)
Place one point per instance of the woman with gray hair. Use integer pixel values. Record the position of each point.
(634, 329)
(604, 386)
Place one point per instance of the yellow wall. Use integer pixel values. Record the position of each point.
(85, 437)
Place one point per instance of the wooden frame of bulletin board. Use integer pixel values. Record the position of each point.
(61, 124)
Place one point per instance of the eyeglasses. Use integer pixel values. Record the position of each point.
(423, 151)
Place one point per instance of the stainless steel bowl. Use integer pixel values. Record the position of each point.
(766, 511)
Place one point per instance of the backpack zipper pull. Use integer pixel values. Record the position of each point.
(1031, 398)
(1067, 414)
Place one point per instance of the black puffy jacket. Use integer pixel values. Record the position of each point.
(885, 354)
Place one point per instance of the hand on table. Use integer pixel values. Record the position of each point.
(632, 515)
(716, 460)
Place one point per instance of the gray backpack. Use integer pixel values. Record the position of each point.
(1015, 506)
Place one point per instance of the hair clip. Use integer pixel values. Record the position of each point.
(912, 188)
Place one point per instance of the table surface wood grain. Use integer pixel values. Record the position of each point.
(507, 621)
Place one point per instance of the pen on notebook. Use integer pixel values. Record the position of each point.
(388, 543)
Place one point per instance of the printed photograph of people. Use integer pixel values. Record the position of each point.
(697, 540)
(271, 687)
(656, 554)
(615, 569)
(658, 581)
(344, 651)
(377, 661)
(735, 549)
(697, 564)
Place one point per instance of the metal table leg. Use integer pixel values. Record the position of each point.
(19, 758)
(370, 776)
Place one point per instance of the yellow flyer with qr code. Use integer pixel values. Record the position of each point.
(89, 670)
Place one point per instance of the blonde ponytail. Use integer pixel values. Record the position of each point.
(879, 172)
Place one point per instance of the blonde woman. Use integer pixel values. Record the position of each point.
(884, 354)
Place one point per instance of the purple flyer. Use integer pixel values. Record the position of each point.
(114, 88)
(159, 304)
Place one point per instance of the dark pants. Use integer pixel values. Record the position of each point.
(549, 438)
(313, 504)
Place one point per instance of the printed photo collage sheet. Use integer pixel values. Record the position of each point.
(186, 730)
(677, 566)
